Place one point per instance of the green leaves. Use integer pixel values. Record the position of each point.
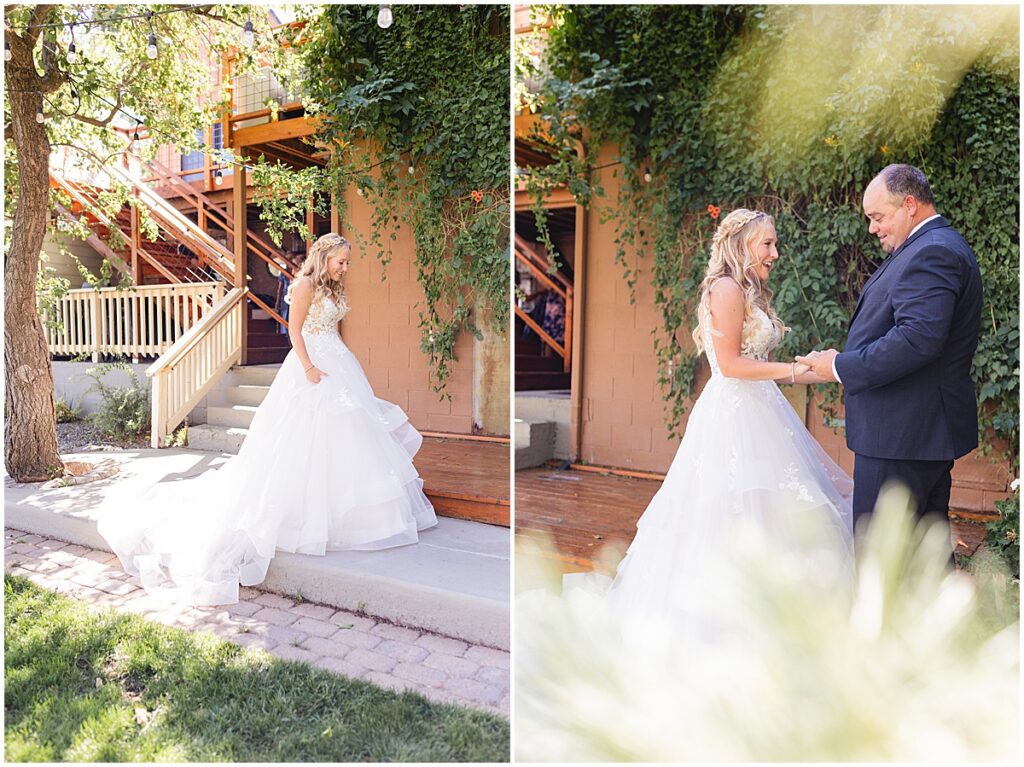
(790, 109)
(417, 118)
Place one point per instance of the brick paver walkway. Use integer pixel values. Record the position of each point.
(440, 668)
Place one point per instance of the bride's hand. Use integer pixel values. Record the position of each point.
(314, 374)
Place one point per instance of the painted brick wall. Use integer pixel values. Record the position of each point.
(623, 413)
(382, 330)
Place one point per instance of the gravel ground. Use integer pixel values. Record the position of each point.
(77, 436)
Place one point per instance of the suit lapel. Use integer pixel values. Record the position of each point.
(935, 223)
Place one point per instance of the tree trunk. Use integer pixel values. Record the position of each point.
(30, 426)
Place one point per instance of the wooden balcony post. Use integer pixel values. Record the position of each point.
(239, 237)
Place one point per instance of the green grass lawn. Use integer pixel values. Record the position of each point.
(86, 686)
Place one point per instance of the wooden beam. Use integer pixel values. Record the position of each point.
(556, 198)
(297, 127)
(290, 153)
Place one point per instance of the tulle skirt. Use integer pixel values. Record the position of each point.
(324, 467)
(746, 467)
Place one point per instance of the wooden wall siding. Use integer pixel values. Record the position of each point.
(382, 330)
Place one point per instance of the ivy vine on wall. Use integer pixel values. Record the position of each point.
(416, 118)
(791, 109)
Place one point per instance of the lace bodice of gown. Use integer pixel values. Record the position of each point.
(760, 337)
(324, 315)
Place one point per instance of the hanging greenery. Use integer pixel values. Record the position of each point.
(791, 109)
(416, 117)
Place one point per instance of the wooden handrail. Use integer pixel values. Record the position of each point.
(195, 334)
(190, 368)
(264, 249)
(77, 195)
(559, 349)
(528, 254)
(180, 226)
(525, 255)
(543, 276)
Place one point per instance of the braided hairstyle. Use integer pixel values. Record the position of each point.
(732, 250)
(315, 268)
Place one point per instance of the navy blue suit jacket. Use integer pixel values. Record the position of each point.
(906, 369)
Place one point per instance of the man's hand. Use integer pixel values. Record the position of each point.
(820, 363)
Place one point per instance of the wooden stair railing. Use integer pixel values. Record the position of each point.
(93, 217)
(187, 371)
(174, 227)
(527, 255)
(143, 320)
(208, 209)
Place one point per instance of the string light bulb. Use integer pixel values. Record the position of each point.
(647, 174)
(151, 49)
(248, 34)
(40, 117)
(7, 51)
(384, 16)
(135, 136)
(72, 50)
(218, 177)
(412, 169)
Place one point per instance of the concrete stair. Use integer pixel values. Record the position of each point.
(230, 408)
(550, 406)
(534, 442)
(455, 581)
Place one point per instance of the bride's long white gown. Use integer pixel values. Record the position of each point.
(324, 467)
(746, 462)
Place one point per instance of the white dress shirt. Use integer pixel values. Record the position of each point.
(919, 225)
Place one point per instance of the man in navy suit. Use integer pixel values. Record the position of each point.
(906, 370)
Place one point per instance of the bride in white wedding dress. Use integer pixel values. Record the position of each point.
(325, 466)
(745, 463)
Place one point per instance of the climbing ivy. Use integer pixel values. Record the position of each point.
(790, 109)
(416, 117)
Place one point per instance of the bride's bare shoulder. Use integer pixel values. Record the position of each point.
(726, 293)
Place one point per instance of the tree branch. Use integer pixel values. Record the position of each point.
(100, 161)
(206, 11)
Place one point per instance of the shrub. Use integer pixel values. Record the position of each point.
(1003, 537)
(66, 411)
(124, 412)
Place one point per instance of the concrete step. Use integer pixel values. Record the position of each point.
(454, 582)
(253, 375)
(551, 406)
(244, 394)
(534, 442)
(217, 439)
(230, 416)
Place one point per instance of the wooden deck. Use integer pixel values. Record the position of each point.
(581, 511)
(467, 479)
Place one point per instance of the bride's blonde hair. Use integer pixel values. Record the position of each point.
(732, 255)
(315, 268)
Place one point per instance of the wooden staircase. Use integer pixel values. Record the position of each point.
(164, 256)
